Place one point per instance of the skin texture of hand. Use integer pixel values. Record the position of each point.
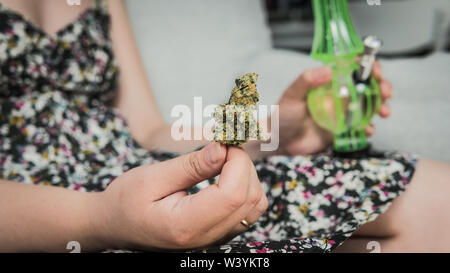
(148, 207)
(299, 134)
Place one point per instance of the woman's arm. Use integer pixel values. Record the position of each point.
(145, 208)
(135, 99)
(44, 219)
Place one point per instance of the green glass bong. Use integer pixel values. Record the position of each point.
(346, 105)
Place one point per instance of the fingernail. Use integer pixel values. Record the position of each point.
(213, 151)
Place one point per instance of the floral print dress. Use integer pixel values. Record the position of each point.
(58, 128)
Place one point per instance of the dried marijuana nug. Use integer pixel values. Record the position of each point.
(235, 121)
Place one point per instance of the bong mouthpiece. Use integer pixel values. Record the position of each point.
(371, 46)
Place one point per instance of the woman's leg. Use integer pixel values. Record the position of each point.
(417, 221)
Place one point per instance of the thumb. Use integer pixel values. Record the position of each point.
(310, 78)
(187, 170)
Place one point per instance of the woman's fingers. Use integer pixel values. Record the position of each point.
(315, 77)
(385, 86)
(198, 213)
(251, 218)
(310, 78)
(185, 171)
(386, 93)
(370, 130)
(259, 208)
(228, 225)
(256, 205)
(239, 228)
(384, 111)
(377, 71)
(385, 89)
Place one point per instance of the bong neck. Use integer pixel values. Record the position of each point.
(334, 34)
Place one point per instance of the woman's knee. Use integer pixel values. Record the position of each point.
(417, 208)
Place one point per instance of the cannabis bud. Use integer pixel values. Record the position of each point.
(235, 121)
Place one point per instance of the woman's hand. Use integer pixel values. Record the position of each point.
(299, 134)
(148, 207)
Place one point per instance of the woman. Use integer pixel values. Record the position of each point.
(70, 119)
